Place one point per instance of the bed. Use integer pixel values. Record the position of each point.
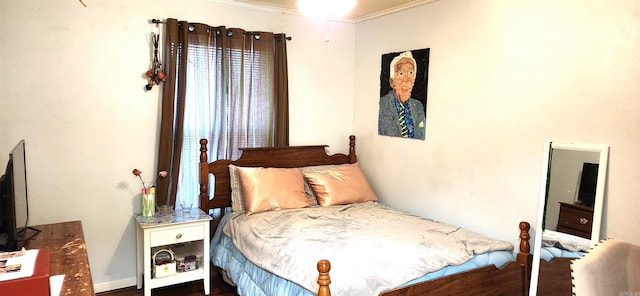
(510, 278)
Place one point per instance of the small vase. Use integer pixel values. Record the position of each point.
(148, 201)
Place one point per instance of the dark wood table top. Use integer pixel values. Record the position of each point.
(68, 255)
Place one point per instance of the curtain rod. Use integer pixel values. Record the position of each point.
(157, 22)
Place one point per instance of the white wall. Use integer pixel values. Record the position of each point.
(71, 84)
(504, 77)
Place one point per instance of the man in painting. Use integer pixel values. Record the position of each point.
(400, 115)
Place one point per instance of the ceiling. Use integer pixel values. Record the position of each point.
(364, 9)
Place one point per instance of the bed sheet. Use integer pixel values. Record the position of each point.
(253, 280)
(561, 245)
(549, 253)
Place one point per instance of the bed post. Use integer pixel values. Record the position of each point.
(323, 278)
(204, 176)
(525, 257)
(352, 149)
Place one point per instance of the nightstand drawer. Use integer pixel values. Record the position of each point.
(176, 235)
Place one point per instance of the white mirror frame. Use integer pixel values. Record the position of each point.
(597, 207)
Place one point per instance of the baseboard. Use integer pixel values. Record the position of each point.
(110, 286)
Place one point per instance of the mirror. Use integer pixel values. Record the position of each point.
(569, 210)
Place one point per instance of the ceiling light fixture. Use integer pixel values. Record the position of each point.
(326, 8)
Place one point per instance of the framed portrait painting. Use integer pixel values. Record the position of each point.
(404, 79)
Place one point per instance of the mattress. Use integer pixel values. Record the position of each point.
(253, 280)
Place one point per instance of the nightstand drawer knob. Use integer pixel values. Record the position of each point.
(179, 236)
(584, 221)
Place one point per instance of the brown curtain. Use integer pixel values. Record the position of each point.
(224, 84)
(281, 86)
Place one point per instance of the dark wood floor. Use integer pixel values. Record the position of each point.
(218, 288)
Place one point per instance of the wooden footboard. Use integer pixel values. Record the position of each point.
(554, 278)
(511, 279)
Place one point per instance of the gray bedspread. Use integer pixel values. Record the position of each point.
(372, 248)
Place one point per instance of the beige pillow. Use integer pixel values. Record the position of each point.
(340, 185)
(267, 189)
(307, 187)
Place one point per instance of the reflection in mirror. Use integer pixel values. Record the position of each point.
(571, 193)
(569, 213)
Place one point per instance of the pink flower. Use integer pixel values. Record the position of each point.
(138, 173)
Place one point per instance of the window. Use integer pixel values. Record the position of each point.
(228, 89)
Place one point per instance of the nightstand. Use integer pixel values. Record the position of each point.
(575, 219)
(173, 230)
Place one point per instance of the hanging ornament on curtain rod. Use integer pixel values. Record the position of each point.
(155, 74)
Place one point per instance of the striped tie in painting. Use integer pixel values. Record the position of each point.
(403, 124)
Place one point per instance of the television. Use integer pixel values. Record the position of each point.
(588, 182)
(14, 206)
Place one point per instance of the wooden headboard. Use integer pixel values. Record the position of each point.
(281, 157)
